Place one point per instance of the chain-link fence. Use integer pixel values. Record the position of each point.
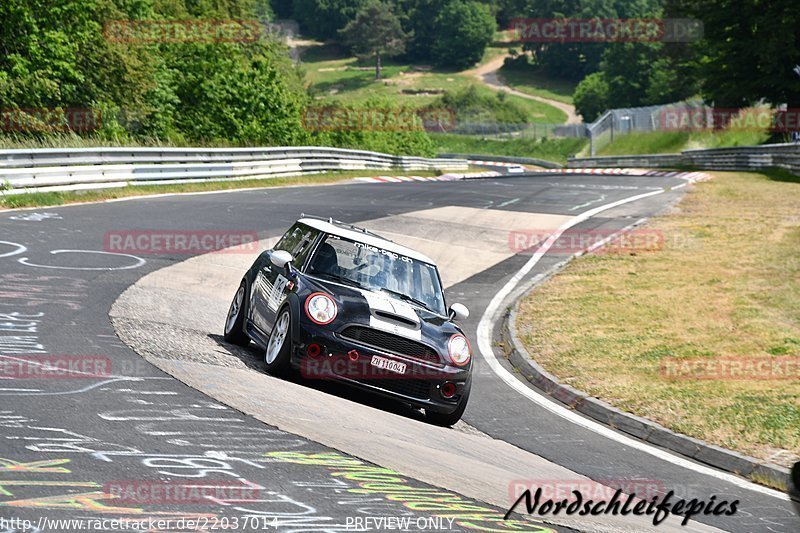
(612, 124)
(505, 131)
(616, 122)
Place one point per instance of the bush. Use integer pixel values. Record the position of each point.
(472, 107)
(592, 96)
(376, 125)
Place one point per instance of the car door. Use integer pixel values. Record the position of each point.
(271, 283)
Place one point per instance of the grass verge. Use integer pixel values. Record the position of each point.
(549, 149)
(532, 81)
(41, 199)
(725, 284)
(669, 142)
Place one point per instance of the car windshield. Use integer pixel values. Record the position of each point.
(377, 269)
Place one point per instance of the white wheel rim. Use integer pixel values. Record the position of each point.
(278, 337)
(233, 312)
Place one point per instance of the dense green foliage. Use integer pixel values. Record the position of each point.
(451, 33)
(76, 54)
(464, 30)
(152, 86)
(63, 56)
(472, 107)
(748, 52)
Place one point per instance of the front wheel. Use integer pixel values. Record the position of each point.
(234, 323)
(447, 420)
(277, 355)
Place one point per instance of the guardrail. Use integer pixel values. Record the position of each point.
(740, 158)
(504, 159)
(76, 168)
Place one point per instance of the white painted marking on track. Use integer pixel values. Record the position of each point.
(590, 202)
(509, 202)
(20, 249)
(485, 348)
(139, 261)
(37, 217)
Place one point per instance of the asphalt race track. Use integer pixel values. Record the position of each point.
(286, 461)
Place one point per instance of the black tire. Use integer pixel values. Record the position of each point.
(447, 420)
(234, 322)
(282, 334)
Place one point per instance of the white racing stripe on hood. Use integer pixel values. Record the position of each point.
(379, 302)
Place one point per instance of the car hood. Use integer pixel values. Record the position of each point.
(383, 311)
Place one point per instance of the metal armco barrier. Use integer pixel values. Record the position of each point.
(40, 169)
(740, 158)
(505, 159)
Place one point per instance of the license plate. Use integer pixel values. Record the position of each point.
(388, 364)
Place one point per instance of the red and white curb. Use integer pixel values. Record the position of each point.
(640, 172)
(479, 163)
(443, 177)
(692, 176)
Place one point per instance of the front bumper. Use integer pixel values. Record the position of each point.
(350, 362)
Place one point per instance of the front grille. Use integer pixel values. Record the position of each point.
(391, 343)
(413, 388)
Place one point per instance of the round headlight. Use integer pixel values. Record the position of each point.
(458, 346)
(320, 308)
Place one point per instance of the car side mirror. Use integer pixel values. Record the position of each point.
(458, 312)
(280, 258)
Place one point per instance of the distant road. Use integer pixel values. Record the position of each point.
(488, 74)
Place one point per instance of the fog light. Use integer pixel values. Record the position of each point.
(448, 390)
(353, 355)
(313, 350)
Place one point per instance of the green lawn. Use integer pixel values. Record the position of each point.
(669, 142)
(533, 82)
(334, 76)
(725, 284)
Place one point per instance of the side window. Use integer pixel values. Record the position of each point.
(290, 239)
(298, 241)
(304, 247)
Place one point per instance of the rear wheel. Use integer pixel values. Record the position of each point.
(234, 323)
(277, 355)
(447, 420)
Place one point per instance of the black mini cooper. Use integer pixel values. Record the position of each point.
(334, 301)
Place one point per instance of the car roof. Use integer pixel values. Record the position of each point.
(348, 232)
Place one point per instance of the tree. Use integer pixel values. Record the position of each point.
(419, 20)
(324, 18)
(751, 49)
(464, 29)
(592, 96)
(375, 32)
